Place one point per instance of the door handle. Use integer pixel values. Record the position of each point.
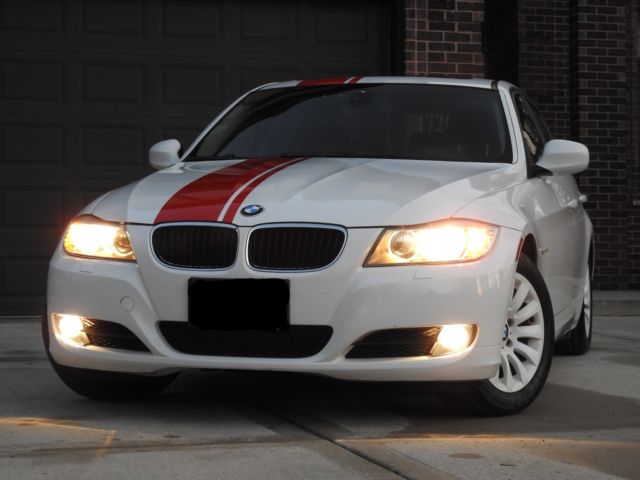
(582, 198)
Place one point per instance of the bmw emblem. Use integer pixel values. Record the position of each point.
(251, 210)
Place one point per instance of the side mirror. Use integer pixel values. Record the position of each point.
(164, 154)
(563, 157)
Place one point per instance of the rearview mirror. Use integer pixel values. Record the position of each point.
(164, 154)
(563, 157)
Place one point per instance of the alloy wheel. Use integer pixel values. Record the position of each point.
(523, 339)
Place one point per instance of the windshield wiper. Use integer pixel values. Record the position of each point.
(341, 155)
(233, 156)
(319, 154)
(224, 156)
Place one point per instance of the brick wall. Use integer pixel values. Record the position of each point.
(501, 44)
(444, 38)
(415, 37)
(544, 67)
(603, 123)
(577, 61)
(633, 228)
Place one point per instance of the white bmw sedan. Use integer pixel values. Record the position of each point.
(375, 228)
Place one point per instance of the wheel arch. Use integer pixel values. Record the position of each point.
(530, 248)
(592, 256)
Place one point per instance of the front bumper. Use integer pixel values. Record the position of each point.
(351, 299)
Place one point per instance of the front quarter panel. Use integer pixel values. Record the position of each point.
(540, 207)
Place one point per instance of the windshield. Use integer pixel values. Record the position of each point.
(422, 122)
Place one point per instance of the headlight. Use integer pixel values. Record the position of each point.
(448, 241)
(88, 236)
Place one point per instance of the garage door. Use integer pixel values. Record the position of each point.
(87, 86)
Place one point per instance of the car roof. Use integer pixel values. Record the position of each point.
(459, 82)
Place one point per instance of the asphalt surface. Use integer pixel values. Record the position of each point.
(222, 425)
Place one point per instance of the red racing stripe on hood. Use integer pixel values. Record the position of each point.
(242, 195)
(204, 199)
(328, 81)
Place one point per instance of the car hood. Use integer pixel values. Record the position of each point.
(343, 191)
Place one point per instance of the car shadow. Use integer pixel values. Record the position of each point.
(372, 409)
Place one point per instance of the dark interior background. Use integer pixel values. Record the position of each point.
(86, 86)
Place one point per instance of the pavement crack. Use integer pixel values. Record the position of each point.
(388, 459)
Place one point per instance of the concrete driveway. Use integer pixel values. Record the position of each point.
(585, 424)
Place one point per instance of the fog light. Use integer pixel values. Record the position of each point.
(70, 328)
(453, 339)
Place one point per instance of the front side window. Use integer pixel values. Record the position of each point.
(421, 122)
(534, 133)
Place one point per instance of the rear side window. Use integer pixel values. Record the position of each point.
(405, 121)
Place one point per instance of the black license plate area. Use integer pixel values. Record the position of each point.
(239, 304)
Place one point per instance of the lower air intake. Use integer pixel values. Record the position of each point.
(113, 335)
(395, 343)
(299, 341)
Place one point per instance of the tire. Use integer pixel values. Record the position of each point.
(578, 340)
(526, 353)
(106, 386)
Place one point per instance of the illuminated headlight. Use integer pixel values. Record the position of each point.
(71, 328)
(448, 241)
(88, 236)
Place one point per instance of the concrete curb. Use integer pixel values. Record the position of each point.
(618, 303)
